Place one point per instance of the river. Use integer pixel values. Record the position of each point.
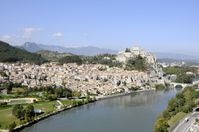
(131, 113)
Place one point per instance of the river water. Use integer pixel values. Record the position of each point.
(131, 113)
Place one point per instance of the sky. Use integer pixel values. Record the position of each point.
(155, 25)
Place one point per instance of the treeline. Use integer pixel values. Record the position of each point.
(105, 59)
(9, 85)
(50, 93)
(182, 77)
(12, 54)
(71, 59)
(138, 63)
(183, 102)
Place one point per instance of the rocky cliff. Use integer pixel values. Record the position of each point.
(155, 71)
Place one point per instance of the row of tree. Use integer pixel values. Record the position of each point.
(9, 85)
(53, 92)
(71, 59)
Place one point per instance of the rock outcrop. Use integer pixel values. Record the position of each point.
(155, 70)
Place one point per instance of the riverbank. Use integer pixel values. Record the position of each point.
(18, 128)
(124, 94)
(40, 118)
(178, 107)
(118, 114)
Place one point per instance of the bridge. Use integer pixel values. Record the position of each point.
(180, 85)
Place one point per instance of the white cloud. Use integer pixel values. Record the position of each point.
(57, 34)
(21, 35)
(28, 32)
(6, 37)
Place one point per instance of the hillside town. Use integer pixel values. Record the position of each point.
(92, 78)
(51, 87)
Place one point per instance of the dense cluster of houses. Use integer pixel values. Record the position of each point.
(93, 78)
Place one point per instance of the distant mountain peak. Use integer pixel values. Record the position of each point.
(84, 50)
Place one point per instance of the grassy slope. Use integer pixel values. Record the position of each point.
(179, 116)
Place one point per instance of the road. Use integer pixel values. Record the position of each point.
(184, 126)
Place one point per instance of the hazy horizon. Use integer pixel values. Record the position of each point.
(158, 26)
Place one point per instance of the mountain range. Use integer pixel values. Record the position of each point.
(87, 50)
(177, 56)
(90, 51)
(38, 53)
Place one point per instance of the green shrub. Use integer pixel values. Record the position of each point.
(138, 63)
(182, 77)
(71, 59)
(11, 126)
(161, 125)
(159, 86)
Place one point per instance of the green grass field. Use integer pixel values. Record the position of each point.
(7, 118)
(45, 106)
(66, 102)
(179, 116)
(17, 90)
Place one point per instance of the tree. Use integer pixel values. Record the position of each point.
(159, 86)
(29, 112)
(76, 94)
(8, 86)
(166, 114)
(138, 63)
(3, 74)
(12, 126)
(88, 99)
(182, 77)
(161, 125)
(71, 59)
(67, 93)
(52, 97)
(188, 94)
(188, 107)
(59, 92)
(183, 102)
(18, 111)
(94, 98)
